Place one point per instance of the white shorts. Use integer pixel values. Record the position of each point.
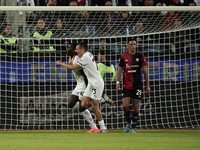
(78, 93)
(94, 92)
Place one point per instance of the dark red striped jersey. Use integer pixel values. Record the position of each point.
(132, 65)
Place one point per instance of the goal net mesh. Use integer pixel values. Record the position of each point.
(35, 91)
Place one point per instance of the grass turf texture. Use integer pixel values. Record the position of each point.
(113, 140)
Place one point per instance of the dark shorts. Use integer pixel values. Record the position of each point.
(133, 93)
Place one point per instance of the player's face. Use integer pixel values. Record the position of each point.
(132, 46)
(78, 50)
(139, 27)
(59, 23)
(40, 24)
(73, 4)
(70, 50)
(52, 2)
(149, 3)
(8, 30)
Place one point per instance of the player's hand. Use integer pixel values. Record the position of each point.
(70, 61)
(117, 86)
(58, 63)
(148, 90)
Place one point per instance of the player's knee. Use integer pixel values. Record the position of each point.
(135, 107)
(125, 107)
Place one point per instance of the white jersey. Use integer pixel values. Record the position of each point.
(78, 76)
(89, 66)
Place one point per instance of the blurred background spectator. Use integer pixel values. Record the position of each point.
(63, 2)
(25, 3)
(51, 17)
(197, 2)
(106, 69)
(42, 38)
(75, 21)
(121, 2)
(8, 45)
(103, 48)
(170, 19)
(100, 2)
(59, 33)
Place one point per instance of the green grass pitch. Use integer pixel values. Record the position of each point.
(113, 140)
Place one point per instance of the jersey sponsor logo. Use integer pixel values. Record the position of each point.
(130, 71)
(134, 65)
(137, 59)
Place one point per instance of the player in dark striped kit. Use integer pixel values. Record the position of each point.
(132, 62)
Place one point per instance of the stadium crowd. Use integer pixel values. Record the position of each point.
(48, 29)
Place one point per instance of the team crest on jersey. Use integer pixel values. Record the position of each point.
(128, 66)
(137, 59)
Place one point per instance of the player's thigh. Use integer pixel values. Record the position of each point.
(79, 91)
(127, 95)
(88, 91)
(86, 102)
(133, 93)
(73, 99)
(94, 92)
(97, 92)
(126, 101)
(137, 98)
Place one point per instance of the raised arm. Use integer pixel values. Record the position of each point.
(67, 66)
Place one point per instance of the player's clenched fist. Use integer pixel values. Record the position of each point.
(58, 63)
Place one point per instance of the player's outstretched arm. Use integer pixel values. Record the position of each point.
(72, 67)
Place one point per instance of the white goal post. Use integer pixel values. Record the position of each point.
(35, 92)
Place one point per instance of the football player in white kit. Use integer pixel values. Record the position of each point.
(77, 93)
(93, 92)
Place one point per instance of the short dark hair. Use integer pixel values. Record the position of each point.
(193, 3)
(73, 45)
(83, 45)
(132, 39)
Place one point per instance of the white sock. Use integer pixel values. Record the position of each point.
(76, 106)
(87, 115)
(102, 125)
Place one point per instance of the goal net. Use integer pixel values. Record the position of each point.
(35, 91)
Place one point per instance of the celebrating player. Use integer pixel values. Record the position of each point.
(77, 93)
(132, 61)
(92, 94)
